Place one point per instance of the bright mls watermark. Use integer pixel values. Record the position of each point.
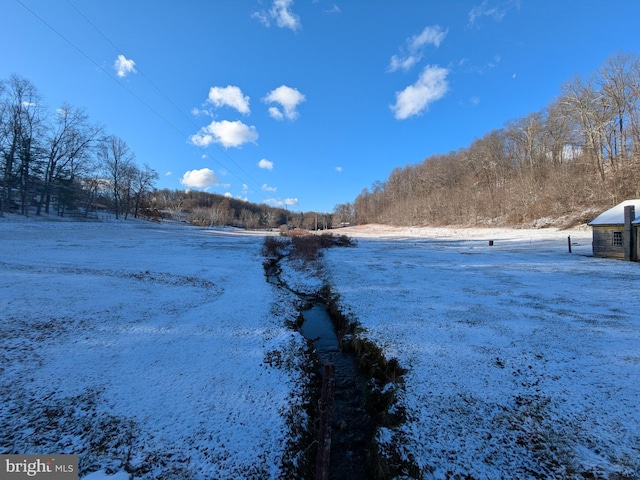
(49, 467)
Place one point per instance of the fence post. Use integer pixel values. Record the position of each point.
(569, 242)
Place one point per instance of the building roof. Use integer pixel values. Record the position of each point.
(615, 215)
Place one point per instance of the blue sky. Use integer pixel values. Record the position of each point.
(304, 102)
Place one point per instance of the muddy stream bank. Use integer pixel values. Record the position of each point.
(352, 426)
(353, 392)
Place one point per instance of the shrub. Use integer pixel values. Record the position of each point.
(305, 246)
(274, 247)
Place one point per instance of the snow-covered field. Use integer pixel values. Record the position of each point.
(524, 360)
(162, 348)
(158, 348)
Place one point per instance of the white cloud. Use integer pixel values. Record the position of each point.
(124, 66)
(413, 100)
(203, 178)
(433, 35)
(281, 13)
(196, 112)
(226, 133)
(398, 63)
(275, 113)
(429, 36)
(338, 169)
(275, 202)
(283, 16)
(289, 98)
(229, 96)
(168, 174)
(267, 188)
(266, 164)
(493, 10)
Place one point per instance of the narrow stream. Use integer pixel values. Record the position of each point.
(352, 428)
(318, 328)
(357, 402)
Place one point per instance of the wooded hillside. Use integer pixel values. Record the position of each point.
(560, 165)
(58, 162)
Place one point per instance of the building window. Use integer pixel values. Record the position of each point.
(617, 239)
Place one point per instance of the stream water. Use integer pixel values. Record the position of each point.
(352, 428)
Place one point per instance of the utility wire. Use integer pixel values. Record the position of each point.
(134, 95)
(119, 51)
(164, 95)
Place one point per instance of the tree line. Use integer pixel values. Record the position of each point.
(212, 209)
(579, 154)
(60, 162)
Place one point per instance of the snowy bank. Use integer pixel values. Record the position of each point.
(153, 348)
(523, 359)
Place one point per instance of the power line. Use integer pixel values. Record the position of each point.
(163, 94)
(138, 98)
(119, 51)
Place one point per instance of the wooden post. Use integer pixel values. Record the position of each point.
(627, 237)
(569, 242)
(324, 434)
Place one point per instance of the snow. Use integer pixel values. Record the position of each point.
(161, 348)
(523, 359)
(615, 215)
(102, 475)
(146, 345)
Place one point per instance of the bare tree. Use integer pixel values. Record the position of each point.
(490, 163)
(270, 217)
(68, 143)
(589, 112)
(22, 113)
(559, 138)
(92, 183)
(143, 182)
(618, 84)
(344, 214)
(117, 160)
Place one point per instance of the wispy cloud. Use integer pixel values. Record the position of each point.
(267, 188)
(429, 36)
(229, 96)
(203, 178)
(413, 100)
(288, 98)
(265, 164)
(495, 10)
(225, 133)
(334, 9)
(124, 66)
(415, 45)
(280, 13)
